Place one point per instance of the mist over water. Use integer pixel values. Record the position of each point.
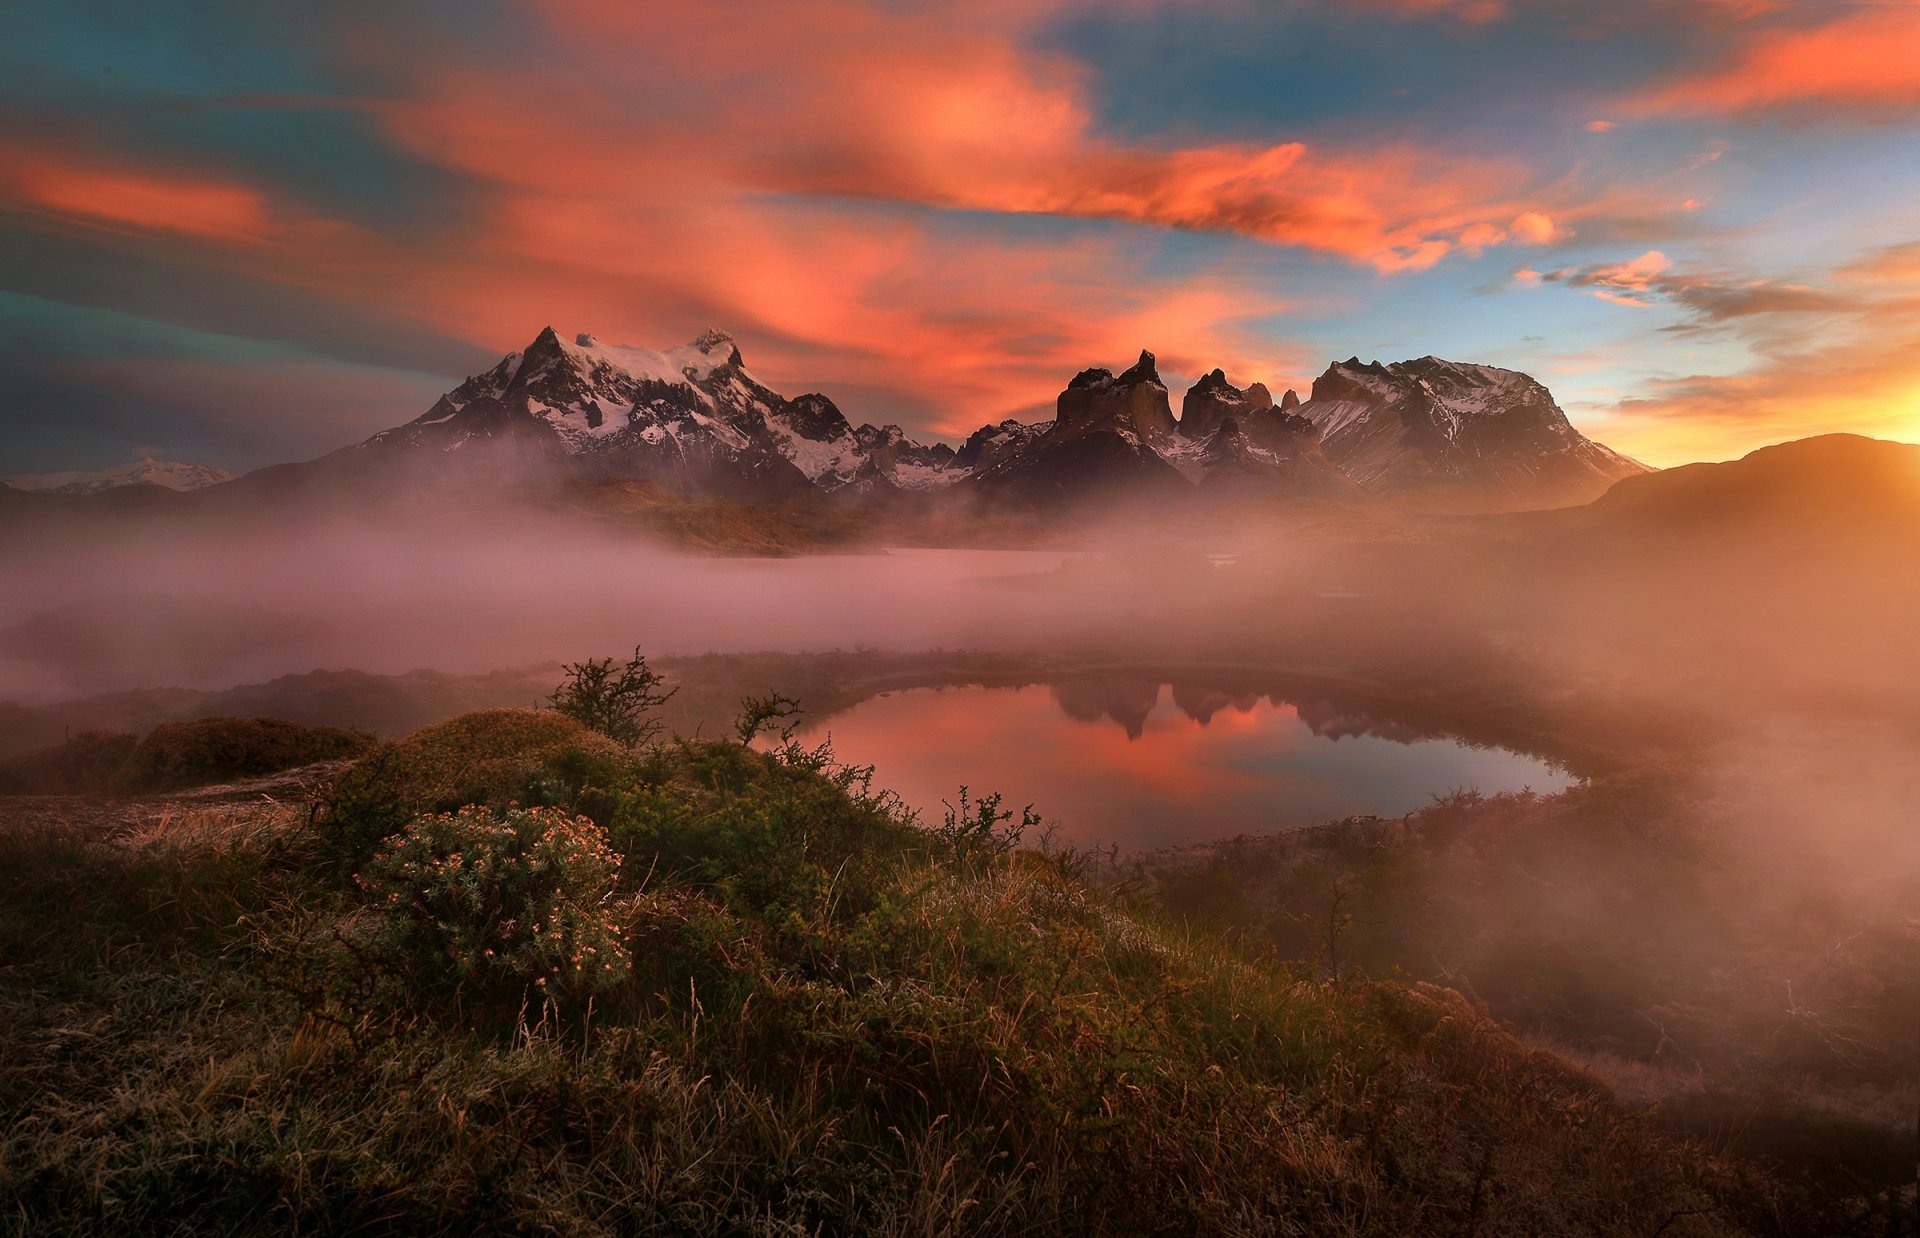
(183, 607)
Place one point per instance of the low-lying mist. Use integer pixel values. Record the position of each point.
(112, 607)
(1723, 908)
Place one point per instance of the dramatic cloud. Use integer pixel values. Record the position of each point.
(1861, 57)
(923, 108)
(934, 212)
(128, 198)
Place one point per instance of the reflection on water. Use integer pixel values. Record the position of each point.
(1142, 763)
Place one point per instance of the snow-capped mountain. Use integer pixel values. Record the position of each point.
(1431, 424)
(692, 418)
(167, 474)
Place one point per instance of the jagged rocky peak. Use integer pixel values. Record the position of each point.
(1212, 401)
(1134, 402)
(989, 444)
(814, 416)
(1142, 371)
(1289, 401)
(713, 340)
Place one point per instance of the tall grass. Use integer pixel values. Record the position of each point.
(833, 1024)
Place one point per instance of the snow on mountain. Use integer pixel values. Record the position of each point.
(167, 474)
(692, 417)
(1429, 423)
(695, 419)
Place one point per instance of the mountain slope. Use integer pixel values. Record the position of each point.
(691, 418)
(1434, 425)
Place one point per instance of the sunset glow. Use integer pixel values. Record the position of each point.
(1694, 231)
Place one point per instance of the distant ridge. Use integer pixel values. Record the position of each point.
(167, 474)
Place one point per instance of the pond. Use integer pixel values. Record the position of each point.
(1143, 763)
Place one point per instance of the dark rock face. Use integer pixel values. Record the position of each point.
(814, 416)
(1273, 454)
(1212, 400)
(1063, 470)
(1135, 401)
(1289, 401)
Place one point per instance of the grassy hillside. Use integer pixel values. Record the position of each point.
(711, 989)
(1654, 930)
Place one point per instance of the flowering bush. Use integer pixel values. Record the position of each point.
(494, 756)
(496, 903)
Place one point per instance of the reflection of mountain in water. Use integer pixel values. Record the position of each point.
(1126, 701)
(1129, 702)
(1201, 702)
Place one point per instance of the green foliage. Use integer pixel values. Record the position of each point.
(493, 757)
(613, 699)
(485, 904)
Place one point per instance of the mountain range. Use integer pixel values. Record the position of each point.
(695, 422)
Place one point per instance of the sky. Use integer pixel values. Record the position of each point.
(236, 232)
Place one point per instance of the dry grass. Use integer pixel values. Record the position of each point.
(880, 1040)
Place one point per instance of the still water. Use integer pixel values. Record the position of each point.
(1142, 764)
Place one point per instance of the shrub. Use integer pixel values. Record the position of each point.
(979, 832)
(772, 833)
(492, 904)
(80, 766)
(211, 750)
(492, 757)
(613, 699)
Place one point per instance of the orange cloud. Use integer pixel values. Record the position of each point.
(119, 198)
(95, 191)
(1865, 57)
(762, 167)
(716, 187)
(938, 110)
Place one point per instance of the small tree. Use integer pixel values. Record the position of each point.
(760, 714)
(613, 699)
